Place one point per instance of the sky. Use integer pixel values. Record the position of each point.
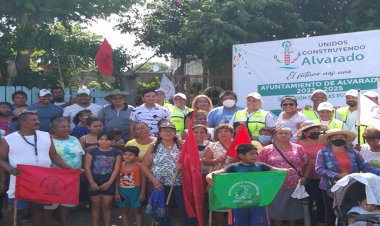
(115, 38)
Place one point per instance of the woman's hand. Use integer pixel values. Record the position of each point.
(303, 180)
(221, 159)
(105, 186)
(157, 185)
(341, 175)
(94, 186)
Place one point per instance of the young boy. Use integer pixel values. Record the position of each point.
(118, 141)
(130, 186)
(363, 208)
(253, 216)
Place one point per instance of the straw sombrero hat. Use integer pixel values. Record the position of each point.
(324, 139)
(113, 93)
(308, 124)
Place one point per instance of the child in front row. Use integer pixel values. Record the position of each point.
(363, 208)
(102, 166)
(253, 216)
(130, 185)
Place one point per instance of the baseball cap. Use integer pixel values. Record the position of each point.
(83, 91)
(352, 92)
(325, 106)
(182, 95)
(371, 94)
(255, 95)
(166, 124)
(44, 92)
(318, 91)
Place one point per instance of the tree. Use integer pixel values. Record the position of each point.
(148, 67)
(207, 29)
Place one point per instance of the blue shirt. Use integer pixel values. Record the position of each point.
(221, 115)
(45, 114)
(327, 166)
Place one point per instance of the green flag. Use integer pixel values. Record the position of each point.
(245, 189)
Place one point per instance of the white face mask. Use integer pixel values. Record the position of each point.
(229, 103)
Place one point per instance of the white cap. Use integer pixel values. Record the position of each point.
(160, 90)
(352, 92)
(371, 94)
(182, 95)
(255, 95)
(318, 91)
(83, 91)
(44, 92)
(325, 106)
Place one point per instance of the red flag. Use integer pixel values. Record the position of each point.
(193, 190)
(241, 137)
(47, 185)
(104, 59)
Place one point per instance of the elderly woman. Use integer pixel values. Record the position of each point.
(201, 118)
(142, 138)
(309, 134)
(285, 154)
(159, 166)
(371, 150)
(289, 116)
(336, 161)
(71, 151)
(215, 153)
(200, 102)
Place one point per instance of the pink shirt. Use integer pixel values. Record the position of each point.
(295, 154)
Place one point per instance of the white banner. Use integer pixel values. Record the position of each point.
(334, 63)
(168, 86)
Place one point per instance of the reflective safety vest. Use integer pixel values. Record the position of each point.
(333, 124)
(343, 114)
(178, 118)
(310, 114)
(254, 123)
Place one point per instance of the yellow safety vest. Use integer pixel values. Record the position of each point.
(254, 123)
(310, 114)
(178, 118)
(343, 113)
(333, 124)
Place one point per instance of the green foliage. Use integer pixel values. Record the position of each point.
(148, 67)
(151, 84)
(207, 29)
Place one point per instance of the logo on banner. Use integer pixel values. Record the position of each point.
(244, 192)
(289, 57)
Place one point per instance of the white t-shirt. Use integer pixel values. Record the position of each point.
(373, 158)
(291, 123)
(150, 116)
(72, 110)
(359, 210)
(20, 152)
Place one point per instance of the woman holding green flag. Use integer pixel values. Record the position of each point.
(285, 154)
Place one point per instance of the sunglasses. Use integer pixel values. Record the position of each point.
(288, 104)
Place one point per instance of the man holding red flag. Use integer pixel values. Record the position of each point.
(192, 184)
(27, 146)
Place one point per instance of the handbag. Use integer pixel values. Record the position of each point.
(300, 191)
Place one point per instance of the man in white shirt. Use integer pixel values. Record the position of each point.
(83, 102)
(149, 112)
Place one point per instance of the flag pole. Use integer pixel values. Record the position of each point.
(171, 187)
(15, 213)
(210, 218)
(358, 116)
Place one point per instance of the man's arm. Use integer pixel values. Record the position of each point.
(4, 151)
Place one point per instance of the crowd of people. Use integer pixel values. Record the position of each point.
(127, 152)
